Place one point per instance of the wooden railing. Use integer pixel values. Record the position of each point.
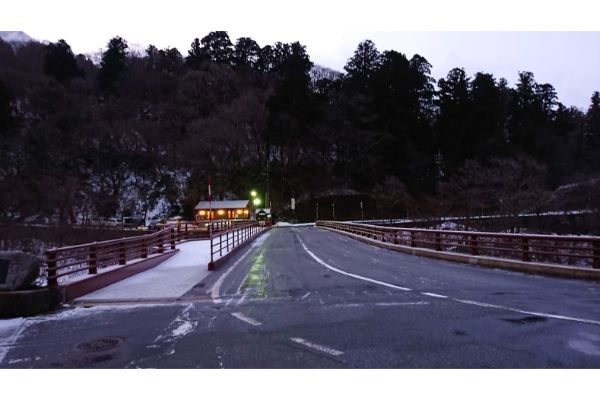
(71, 260)
(90, 257)
(581, 251)
(223, 242)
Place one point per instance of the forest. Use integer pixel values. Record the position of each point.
(140, 133)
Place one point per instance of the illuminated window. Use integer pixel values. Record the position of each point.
(238, 212)
(220, 212)
(202, 212)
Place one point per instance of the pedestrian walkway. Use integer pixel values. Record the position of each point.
(168, 281)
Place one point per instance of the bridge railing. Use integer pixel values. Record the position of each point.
(581, 251)
(223, 242)
(90, 257)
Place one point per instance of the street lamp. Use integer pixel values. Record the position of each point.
(253, 193)
(256, 202)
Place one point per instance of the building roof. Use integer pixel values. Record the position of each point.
(222, 204)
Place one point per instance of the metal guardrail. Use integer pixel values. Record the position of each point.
(70, 260)
(90, 257)
(581, 251)
(229, 239)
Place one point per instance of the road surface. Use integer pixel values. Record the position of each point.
(311, 298)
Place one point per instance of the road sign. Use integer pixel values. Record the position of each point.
(293, 203)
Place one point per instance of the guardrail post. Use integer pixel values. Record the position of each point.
(474, 243)
(51, 263)
(122, 255)
(161, 248)
(173, 238)
(438, 241)
(395, 237)
(412, 239)
(144, 248)
(93, 265)
(596, 253)
(525, 248)
(221, 244)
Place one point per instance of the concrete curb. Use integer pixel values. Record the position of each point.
(94, 282)
(217, 263)
(483, 261)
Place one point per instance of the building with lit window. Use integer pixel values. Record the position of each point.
(223, 209)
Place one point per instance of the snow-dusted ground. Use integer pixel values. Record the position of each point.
(280, 224)
(494, 216)
(9, 332)
(171, 279)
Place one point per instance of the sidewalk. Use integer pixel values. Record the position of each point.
(168, 281)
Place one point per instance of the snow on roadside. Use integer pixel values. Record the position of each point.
(10, 329)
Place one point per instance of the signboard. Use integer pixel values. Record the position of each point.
(293, 203)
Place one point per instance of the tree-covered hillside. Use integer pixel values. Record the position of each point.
(80, 140)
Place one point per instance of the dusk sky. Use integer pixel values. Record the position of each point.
(570, 61)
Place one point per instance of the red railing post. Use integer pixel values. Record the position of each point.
(173, 238)
(525, 249)
(93, 264)
(438, 241)
(412, 239)
(220, 244)
(161, 248)
(51, 263)
(144, 248)
(474, 243)
(122, 254)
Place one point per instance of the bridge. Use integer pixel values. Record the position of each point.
(332, 296)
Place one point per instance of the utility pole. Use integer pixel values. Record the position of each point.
(317, 217)
(362, 215)
(210, 219)
(439, 163)
(333, 210)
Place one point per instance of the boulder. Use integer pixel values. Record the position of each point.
(18, 270)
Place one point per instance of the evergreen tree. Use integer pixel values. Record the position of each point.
(246, 53)
(113, 65)
(362, 65)
(60, 62)
(218, 47)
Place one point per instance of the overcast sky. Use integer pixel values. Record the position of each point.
(570, 61)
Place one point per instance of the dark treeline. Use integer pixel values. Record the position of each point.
(85, 140)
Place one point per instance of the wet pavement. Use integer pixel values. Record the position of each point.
(311, 298)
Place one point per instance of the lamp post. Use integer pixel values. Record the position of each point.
(333, 210)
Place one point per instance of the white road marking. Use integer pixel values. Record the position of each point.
(408, 303)
(434, 295)
(246, 319)
(537, 314)
(470, 302)
(363, 278)
(318, 347)
(214, 290)
(240, 301)
(382, 304)
(305, 296)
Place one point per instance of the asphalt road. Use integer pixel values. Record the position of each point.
(311, 298)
